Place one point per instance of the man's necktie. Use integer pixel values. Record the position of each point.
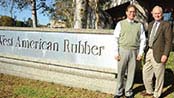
(152, 35)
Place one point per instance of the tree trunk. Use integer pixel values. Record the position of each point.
(11, 8)
(34, 13)
(96, 14)
(97, 18)
(80, 16)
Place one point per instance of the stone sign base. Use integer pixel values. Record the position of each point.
(73, 77)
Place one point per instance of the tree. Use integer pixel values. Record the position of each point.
(80, 16)
(6, 21)
(89, 14)
(22, 4)
(34, 13)
(29, 22)
(64, 11)
(20, 24)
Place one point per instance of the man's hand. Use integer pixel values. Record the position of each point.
(139, 57)
(163, 59)
(117, 57)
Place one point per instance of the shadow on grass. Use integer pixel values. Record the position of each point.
(168, 82)
(138, 80)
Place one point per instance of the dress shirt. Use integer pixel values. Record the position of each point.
(158, 23)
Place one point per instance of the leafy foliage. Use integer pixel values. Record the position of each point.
(13, 5)
(20, 24)
(64, 10)
(6, 21)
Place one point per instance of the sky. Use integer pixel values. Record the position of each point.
(26, 13)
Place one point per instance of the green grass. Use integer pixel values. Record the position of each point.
(34, 92)
(170, 62)
(17, 87)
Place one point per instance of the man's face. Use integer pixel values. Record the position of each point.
(131, 13)
(157, 14)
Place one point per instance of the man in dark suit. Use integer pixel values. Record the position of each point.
(159, 46)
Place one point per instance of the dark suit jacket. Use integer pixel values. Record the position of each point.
(162, 41)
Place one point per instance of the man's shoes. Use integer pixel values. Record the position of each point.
(146, 94)
(130, 96)
(156, 97)
(116, 96)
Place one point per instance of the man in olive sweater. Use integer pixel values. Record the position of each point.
(130, 42)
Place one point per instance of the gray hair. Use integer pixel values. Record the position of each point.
(158, 7)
